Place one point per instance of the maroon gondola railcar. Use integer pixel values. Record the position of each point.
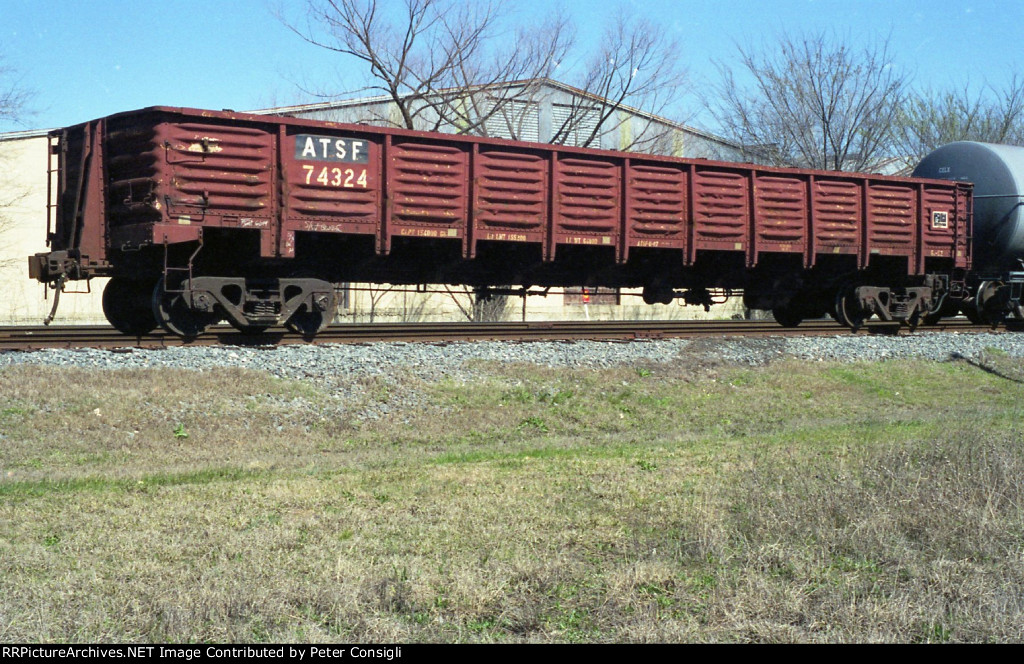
(203, 215)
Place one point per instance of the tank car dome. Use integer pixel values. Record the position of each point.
(997, 172)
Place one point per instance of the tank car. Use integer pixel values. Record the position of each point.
(994, 285)
(198, 216)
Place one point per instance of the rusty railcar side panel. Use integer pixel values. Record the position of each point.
(135, 161)
(225, 172)
(169, 177)
(838, 215)
(429, 190)
(780, 204)
(587, 194)
(656, 212)
(892, 219)
(943, 222)
(510, 196)
(222, 176)
(721, 209)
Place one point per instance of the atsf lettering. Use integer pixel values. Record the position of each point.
(309, 147)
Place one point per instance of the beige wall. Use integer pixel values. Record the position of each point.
(392, 305)
(23, 232)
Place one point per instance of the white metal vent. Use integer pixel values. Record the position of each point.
(519, 120)
(575, 123)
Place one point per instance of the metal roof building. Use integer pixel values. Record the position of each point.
(541, 111)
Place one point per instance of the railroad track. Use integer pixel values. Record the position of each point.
(39, 337)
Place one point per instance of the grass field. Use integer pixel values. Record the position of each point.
(688, 501)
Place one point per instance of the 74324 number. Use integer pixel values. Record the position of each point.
(335, 177)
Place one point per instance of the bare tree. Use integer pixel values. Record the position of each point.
(480, 307)
(441, 63)
(376, 294)
(638, 67)
(457, 295)
(491, 308)
(7, 200)
(414, 307)
(812, 101)
(931, 119)
(14, 99)
(462, 65)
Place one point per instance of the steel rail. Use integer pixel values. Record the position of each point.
(40, 337)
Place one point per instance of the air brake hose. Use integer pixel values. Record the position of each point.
(58, 288)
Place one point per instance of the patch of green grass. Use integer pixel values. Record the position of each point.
(797, 501)
(518, 394)
(646, 465)
(857, 378)
(535, 423)
(93, 484)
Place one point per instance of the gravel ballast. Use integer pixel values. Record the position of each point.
(434, 361)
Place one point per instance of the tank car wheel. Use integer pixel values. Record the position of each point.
(988, 307)
(310, 323)
(126, 304)
(175, 316)
(787, 316)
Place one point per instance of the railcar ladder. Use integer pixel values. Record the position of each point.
(186, 270)
(56, 149)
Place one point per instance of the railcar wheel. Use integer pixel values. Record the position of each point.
(972, 313)
(847, 311)
(127, 306)
(787, 316)
(174, 315)
(658, 295)
(309, 323)
(989, 307)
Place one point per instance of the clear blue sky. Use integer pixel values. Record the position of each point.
(85, 59)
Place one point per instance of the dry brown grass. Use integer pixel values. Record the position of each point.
(794, 502)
